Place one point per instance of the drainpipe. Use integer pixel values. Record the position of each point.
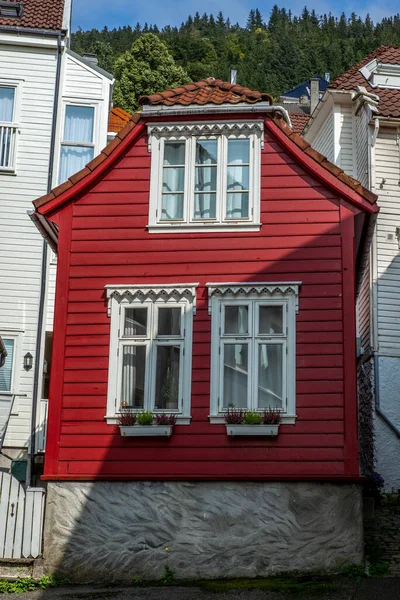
(378, 408)
(42, 301)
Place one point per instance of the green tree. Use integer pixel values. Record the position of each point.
(146, 68)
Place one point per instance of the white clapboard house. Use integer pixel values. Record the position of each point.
(357, 126)
(54, 108)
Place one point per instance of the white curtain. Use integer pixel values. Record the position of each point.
(6, 369)
(79, 122)
(172, 206)
(133, 374)
(270, 376)
(6, 104)
(237, 205)
(73, 159)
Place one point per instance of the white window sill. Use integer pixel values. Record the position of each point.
(198, 227)
(285, 420)
(180, 420)
(4, 171)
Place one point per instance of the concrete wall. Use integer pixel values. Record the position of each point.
(119, 530)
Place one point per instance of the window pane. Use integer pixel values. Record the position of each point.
(169, 321)
(205, 206)
(206, 179)
(135, 322)
(237, 205)
(79, 123)
(236, 319)
(206, 152)
(173, 179)
(167, 377)
(172, 206)
(270, 375)
(238, 152)
(235, 375)
(7, 96)
(238, 178)
(271, 319)
(174, 153)
(6, 369)
(133, 376)
(73, 159)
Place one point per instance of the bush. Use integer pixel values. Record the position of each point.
(252, 418)
(163, 419)
(272, 416)
(144, 418)
(234, 416)
(126, 417)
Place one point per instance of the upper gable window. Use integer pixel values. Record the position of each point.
(8, 128)
(205, 176)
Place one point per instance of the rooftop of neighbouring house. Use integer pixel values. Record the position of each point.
(117, 119)
(303, 89)
(33, 14)
(206, 91)
(299, 121)
(389, 98)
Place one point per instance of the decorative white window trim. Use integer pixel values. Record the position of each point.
(256, 287)
(150, 296)
(143, 292)
(254, 294)
(159, 133)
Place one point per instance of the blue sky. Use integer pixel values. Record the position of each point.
(90, 14)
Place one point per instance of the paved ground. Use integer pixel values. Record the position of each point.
(370, 589)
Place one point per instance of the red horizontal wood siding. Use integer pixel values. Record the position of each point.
(301, 239)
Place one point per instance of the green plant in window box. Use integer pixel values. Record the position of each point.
(144, 418)
(252, 418)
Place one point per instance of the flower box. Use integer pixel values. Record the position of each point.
(146, 430)
(242, 429)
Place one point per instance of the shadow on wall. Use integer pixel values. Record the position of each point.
(115, 530)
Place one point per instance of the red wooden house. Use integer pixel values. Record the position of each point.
(207, 263)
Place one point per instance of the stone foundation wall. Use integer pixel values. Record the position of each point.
(114, 531)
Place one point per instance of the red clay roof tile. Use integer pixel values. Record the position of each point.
(38, 14)
(117, 119)
(389, 103)
(206, 91)
(299, 121)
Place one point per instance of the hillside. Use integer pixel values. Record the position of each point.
(270, 55)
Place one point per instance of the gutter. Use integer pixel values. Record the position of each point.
(379, 411)
(32, 31)
(42, 301)
(261, 107)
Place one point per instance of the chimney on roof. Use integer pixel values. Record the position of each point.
(314, 93)
(234, 76)
(327, 77)
(92, 58)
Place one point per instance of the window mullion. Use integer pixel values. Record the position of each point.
(190, 149)
(221, 194)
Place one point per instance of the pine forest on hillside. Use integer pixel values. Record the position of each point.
(270, 55)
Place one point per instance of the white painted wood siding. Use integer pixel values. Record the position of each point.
(81, 81)
(324, 141)
(344, 160)
(21, 243)
(387, 185)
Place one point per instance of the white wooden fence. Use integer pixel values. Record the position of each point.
(21, 519)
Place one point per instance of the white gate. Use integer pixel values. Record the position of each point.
(21, 519)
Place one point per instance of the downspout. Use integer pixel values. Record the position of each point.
(38, 362)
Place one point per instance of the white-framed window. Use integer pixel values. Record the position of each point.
(8, 372)
(8, 125)
(253, 344)
(77, 139)
(151, 348)
(205, 176)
